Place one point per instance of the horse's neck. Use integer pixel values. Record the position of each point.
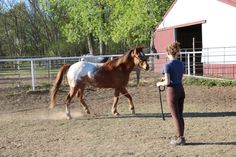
(129, 67)
(123, 63)
(126, 63)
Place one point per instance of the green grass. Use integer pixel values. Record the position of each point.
(209, 82)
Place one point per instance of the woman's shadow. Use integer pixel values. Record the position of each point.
(209, 143)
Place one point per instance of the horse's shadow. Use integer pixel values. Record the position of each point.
(159, 115)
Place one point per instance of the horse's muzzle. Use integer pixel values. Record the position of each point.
(147, 67)
(144, 65)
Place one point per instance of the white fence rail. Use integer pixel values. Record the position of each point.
(40, 71)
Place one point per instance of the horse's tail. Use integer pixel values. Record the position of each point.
(57, 84)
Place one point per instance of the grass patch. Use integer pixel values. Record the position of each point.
(209, 82)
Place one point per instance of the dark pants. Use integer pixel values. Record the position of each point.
(175, 100)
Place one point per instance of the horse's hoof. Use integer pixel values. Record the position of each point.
(68, 117)
(132, 111)
(116, 114)
(87, 111)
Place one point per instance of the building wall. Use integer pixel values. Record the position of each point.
(218, 31)
(220, 70)
(162, 38)
(220, 27)
(184, 11)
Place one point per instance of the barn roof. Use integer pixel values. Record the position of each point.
(229, 2)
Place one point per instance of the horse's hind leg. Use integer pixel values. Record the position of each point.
(131, 104)
(69, 97)
(115, 101)
(80, 96)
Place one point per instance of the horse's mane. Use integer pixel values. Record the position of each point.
(122, 59)
(118, 61)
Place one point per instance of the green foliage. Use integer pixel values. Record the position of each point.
(117, 21)
(209, 82)
(135, 20)
(61, 27)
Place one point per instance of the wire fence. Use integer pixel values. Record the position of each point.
(36, 72)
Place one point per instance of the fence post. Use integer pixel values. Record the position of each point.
(33, 75)
(194, 58)
(188, 63)
(49, 71)
(18, 73)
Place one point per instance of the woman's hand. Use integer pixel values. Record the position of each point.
(159, 84)
(162, 79)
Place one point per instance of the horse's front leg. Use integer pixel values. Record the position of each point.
(131, 104)
(115, 101)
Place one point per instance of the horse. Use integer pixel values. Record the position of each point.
(111, 74)
(105, 59)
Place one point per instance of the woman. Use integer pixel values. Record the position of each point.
(173, 71)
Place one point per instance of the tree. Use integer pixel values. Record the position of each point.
(72, 27)
(87, 19)
(135, 20)
(116, 21)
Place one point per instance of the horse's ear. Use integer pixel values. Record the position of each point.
(136, 50)
(133, 51)
(140, 48)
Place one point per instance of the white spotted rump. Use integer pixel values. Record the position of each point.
(79, 70)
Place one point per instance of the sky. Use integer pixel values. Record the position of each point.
(7, 4)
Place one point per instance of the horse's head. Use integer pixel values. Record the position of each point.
(139, 57)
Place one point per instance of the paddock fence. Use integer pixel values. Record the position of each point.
(36, 72)
(216, 63)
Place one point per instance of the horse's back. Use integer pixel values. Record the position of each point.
(101, 75)
(81, 69)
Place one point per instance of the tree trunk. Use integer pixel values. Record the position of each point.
(103, 21)
(90, 43)
(152, 47)
(152, 50)
(102, 47)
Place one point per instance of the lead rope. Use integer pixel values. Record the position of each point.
(161, 89)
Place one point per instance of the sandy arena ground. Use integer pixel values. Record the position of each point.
(29, 128)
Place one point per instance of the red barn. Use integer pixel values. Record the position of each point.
(207, 26)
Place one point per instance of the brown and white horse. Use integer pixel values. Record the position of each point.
(112, 74)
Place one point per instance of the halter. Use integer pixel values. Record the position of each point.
(141, 58)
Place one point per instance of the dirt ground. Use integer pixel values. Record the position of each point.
(29, 128)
